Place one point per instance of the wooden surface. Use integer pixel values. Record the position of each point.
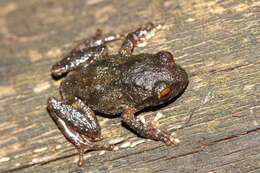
(216, 41)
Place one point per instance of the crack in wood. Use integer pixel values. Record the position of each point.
(257, 168)
(183, 155)
(231, 137)
(225, 164)
(237, 151)
(117, 158)
(152, 160)
(40, 163)
(230, 68)
(223, 70)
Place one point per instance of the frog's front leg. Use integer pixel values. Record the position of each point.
(78, 124)
(85, 52)
(145, 130)
(138, 38)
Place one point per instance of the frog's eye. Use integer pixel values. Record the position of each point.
(161, 90)
(164, 92)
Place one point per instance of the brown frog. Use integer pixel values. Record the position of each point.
(113, 84)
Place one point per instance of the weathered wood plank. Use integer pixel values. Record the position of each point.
(217, 42)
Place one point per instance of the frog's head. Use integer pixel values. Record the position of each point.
(171, 79)
(152, 79)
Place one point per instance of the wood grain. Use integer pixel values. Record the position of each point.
(216, 41)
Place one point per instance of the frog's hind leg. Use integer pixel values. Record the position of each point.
(85, 53)
(79, 125)
(97, 40)
(138, 38)
(145, 130)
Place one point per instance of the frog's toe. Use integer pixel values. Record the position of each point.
(83, 148)
(167, 138)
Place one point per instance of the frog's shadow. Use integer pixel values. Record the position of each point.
(145, 110)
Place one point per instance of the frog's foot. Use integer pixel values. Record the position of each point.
(138, 38)
(83, 148)
(146, 130)
(79, 125)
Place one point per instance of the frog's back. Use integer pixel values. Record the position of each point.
(98, 85)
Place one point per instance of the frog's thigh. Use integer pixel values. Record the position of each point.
(77, 59)
(145, 130)
(71, 135)
(79, 117)
(81, 142)
(84, 53)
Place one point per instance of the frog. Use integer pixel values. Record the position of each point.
(96, 82)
